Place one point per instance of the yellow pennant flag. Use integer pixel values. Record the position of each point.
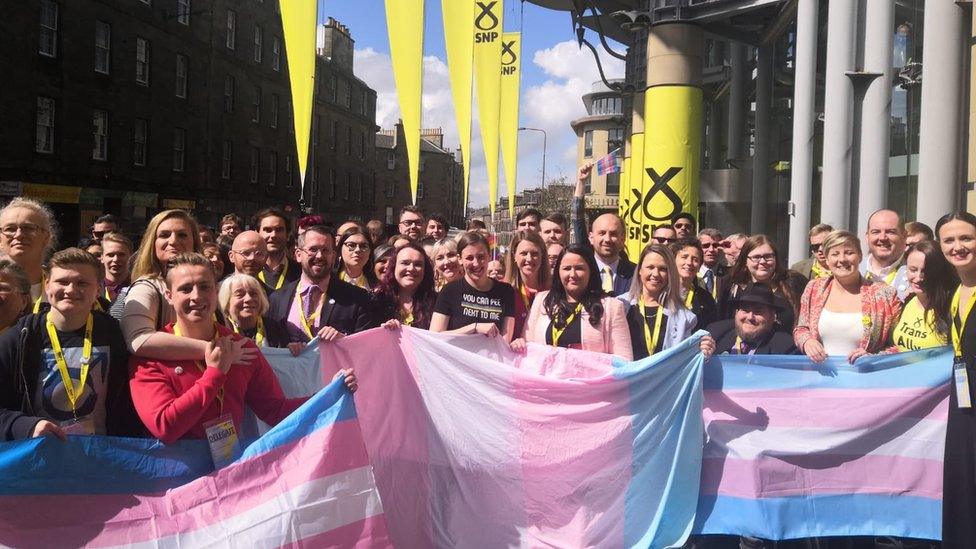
(509, 118)
(458, 29)
(624, 187)
(298, 20)
(405, 26)
(488, 79)
(632, 203)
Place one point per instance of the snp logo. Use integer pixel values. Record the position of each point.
(486, 22)
(509, 59)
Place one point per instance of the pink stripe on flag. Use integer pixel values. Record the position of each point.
(570, 431)
(838, 408)
(770, 476)
(109, 519)
(368, 533)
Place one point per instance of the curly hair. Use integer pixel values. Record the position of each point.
(387, 291)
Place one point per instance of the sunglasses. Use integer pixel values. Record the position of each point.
(711, 245)
(815, 248)
(663, 239)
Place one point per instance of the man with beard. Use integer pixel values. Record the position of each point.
(684, 225)
(319, 304)
(886, 251)
(248, 255)
(412, 223)
(751, 329)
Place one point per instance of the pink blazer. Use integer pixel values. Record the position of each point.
(612, 336)
(880, 310)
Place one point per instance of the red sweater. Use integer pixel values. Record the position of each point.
(174, 398)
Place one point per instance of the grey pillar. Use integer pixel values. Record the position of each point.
(940, 143)
(875, 142)
(737, 102)
(765, 61)
(804, 104)
(835, 194)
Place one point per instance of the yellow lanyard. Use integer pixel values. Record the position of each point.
(650, 339)
(37, 302)
(69, 387)
(690, 297)
(525, 297)
(359, 281)
(307, 322)
(406, 317)
(889, 278)
(281, 279)
(558, 332)
(203, 366)
(817, 271)
(954, 311)
(258, 337)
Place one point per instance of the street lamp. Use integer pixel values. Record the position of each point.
(545, 138)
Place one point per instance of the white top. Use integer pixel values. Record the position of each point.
(840, 333)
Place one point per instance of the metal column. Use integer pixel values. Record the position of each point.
(804, 105)
(835, 194)
(737, 102)
(875, 143)
(940, 141)
(765, 65)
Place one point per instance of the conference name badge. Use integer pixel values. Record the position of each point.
(961, 376)
(222, 438)
(79, 426)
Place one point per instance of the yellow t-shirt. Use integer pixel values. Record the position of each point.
(914, 331)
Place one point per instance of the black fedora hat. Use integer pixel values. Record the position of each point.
(758, 294)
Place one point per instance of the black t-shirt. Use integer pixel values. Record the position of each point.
(571, 338)
(636, 321)
(465, 304)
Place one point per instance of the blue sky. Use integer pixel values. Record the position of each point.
(555, 74)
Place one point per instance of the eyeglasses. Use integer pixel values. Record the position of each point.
(253, 254)
(764, 258)
(682, 225)
(815, 248)
(412, 222)
(28, 229)
(663, 239)
(99, 234)
(711, 245)
(315, 252)
(356, 246)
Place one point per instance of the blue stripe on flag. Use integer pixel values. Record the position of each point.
(817, 516)
(925, 368)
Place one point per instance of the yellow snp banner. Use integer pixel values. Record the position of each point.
(668, 183)
(405, 26)
(459, 27)
(298, 20)
(488, 79)
(509, 119)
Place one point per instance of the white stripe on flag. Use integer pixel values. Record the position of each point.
(313, 508)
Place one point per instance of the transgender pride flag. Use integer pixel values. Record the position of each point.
(306, 483)
(798, 451)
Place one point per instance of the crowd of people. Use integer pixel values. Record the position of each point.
(164, 338)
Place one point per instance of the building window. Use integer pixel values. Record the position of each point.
(231, 41)
(391, 160)
(179, 150)
(589, 183)
(362, 145)
(615, 140)
(140, 138)
(607, 105)
(348, 139)
(47, 44)
(613, 183)
(44, 131)
(333, 134)
(316, 125)
(103, 47)
(182, 75)
(256, 115)
(142, 61)
(183, 12)
(274, 110)
(273, 167)
(345, 95)
(332, 183)
(229, 94)
(258, 44)
(391, 185)
(255, 164)
(226, 159)
(420, 189)
(333, 87)
(362, 183)
(99, 135)
(288, 170)
(588, 143)
(345, 188)
(276, 54)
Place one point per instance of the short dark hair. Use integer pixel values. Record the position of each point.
(475, 224)
(411, 209)
(232, 218)
(528, 212)
(688, 216)
(440, 218)
(271, 212)
(557, 218)
(108, 218)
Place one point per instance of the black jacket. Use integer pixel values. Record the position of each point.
(347, 309)
(20, 363)
(775, 343)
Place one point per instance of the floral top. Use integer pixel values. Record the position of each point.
(880, 310)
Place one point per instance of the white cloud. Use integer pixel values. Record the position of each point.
(550, 105)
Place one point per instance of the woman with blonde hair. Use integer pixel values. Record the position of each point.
(447, 265)
(245, 306)
(846, 314)
(527, 270)
(144, 309)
